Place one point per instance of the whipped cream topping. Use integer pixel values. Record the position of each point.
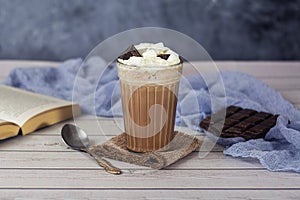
(150, 56)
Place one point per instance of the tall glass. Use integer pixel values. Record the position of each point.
(149, 99)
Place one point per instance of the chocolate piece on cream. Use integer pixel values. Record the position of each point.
(129, 52)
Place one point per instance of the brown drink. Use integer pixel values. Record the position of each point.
(149, 99)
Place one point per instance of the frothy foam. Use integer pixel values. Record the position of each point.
(150, 56)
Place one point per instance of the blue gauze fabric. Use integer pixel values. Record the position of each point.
(278, 151)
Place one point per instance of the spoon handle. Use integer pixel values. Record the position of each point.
(108, 167)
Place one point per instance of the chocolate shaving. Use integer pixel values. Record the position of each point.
(164, 56)
(129, 52)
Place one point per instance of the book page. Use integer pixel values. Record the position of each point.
(18, 105)
(8, 129)
(3, 122)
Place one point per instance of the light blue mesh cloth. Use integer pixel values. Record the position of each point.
(279, 151)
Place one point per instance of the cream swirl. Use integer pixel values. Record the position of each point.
(150, 56)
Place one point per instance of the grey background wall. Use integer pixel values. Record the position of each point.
(228, 29)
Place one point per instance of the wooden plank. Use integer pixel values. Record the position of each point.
(282, 84)
(293, 96)
(98, 126)
(78, 160)
(258, 69)
(91, 127)
(96, 179)
(54, 143)
(262, 68)
(106, 128)
(146, 194)
(46, 143)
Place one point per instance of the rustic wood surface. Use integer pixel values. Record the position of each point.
(40, 165)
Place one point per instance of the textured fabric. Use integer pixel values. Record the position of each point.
(279, 151)
(115, 148)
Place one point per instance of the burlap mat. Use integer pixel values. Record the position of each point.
(179, 147)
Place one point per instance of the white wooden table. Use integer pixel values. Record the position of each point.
(39, 165)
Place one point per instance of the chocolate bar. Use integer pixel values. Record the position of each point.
(246, 123)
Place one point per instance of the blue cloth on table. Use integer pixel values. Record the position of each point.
(278, 151)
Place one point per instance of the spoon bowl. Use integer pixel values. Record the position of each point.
(77, 139)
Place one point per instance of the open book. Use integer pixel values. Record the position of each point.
(24, 112)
